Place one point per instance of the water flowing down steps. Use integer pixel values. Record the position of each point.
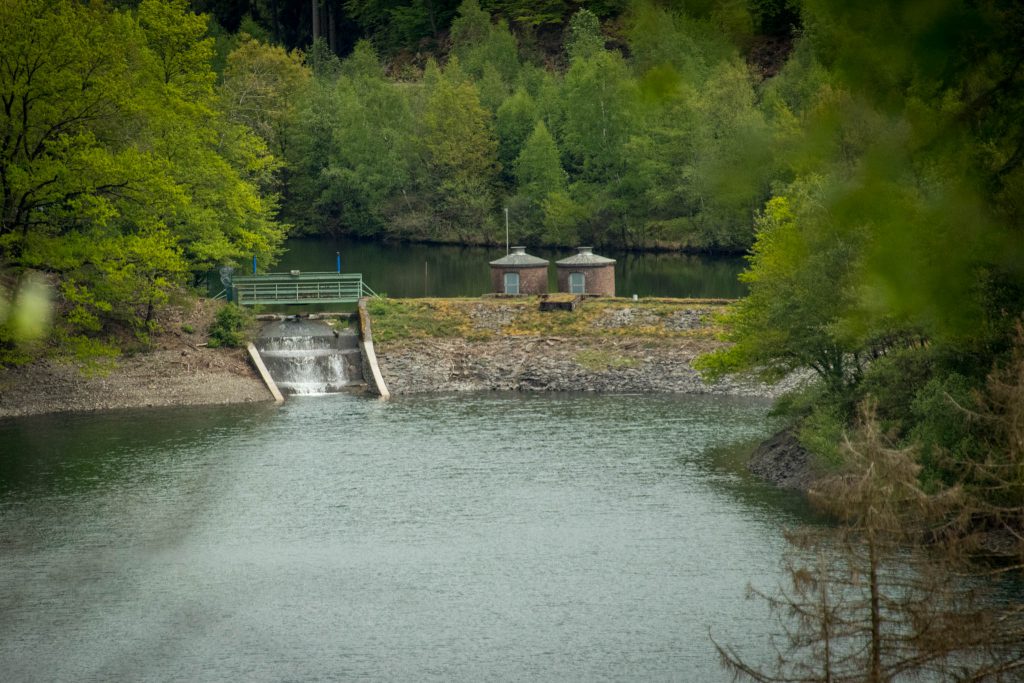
(309, 358)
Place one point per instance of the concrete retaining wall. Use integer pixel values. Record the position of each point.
(371, 370)
(264, 374)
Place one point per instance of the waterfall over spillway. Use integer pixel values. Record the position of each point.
(309, 358)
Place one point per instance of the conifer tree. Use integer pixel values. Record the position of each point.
(538, 167)
(514, 121)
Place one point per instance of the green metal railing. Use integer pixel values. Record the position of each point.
(299, 288)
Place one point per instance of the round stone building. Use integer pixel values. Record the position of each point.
(586, 273)
(519, 273)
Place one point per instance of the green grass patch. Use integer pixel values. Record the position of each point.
(598, 359)
(396, 319)
(484, 318)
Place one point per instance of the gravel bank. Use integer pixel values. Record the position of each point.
(177, 372)
(621, 365)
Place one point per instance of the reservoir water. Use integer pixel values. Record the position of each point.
(415, 270)
(474, 537)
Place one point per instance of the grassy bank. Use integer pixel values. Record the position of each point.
(480, 319)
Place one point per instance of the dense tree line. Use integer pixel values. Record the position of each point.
(650, 150)
(144, 142)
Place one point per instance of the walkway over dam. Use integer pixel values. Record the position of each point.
(299, 288)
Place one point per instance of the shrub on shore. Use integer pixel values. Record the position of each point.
(230, 327)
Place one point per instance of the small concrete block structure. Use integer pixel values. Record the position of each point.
(519, 273)
(586, 273)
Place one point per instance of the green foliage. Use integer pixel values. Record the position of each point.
(801, 275)
(26, 315)
(231, 327)
(260, 89)
(539, 174)
(176, 38)
(120, 173)
(942, 425)
(400, 25)
(538, 167)
(461, 151)
(534, 12)
(322, 61)
(690, 46)
(888, 258)
(664, 148)
(471, 27)
(822, 432)
(600, 112)
(351, 149)
(585, 37)
(514, 121)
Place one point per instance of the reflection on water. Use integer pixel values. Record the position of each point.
(443, 537)
(414, 270)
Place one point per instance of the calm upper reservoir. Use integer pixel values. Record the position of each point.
(472, 537)
(416, 270)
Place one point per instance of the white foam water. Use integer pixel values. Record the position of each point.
(313, 361)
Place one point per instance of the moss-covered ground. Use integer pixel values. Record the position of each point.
(487, 318)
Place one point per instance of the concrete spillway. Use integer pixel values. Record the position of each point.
(309, 358)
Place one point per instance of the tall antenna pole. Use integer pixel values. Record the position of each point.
(506, 231)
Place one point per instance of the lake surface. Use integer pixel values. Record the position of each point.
(473, 537)
(416, 270)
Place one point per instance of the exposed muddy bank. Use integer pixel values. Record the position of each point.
(782, 461)
(178, 371)
(158, 378)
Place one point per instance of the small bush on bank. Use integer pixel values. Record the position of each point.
(943, 426)
(821, 432)
(230, 327)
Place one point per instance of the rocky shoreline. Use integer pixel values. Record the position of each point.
(781, 460)
(615, 346)
(558, 364)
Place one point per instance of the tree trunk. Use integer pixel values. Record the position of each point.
(826, 619)
(875, 673)
(316, 19)
(277, 20)
(332, 35)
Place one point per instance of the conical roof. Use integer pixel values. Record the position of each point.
(585, 257)
(519, 258)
